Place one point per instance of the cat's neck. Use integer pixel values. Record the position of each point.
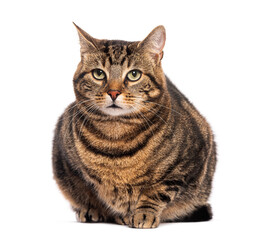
(153, 115)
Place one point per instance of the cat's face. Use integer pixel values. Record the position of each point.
(118, 77)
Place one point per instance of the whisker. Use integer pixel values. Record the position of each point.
(137, 115)
(70, 122)
(90, 112)
(79, 103)
(170, 108)
(73, 116)
(95, 107)
(147, 120)
(152, 112)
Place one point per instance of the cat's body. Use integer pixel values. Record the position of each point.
(135, 152)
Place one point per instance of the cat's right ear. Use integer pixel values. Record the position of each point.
(154, 42)
(87, 43)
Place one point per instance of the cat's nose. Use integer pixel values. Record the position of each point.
(113, 94)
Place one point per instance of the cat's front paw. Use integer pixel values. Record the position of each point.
(144, 220)
(89, 214)
(122, 220)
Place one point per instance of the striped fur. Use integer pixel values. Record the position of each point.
(150, 161)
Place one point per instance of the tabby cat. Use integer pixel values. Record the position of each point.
(132, 149)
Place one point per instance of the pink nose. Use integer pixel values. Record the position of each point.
(113, 94)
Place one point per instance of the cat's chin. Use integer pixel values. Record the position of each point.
(116, 111)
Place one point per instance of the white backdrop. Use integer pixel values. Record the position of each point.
(210, 54)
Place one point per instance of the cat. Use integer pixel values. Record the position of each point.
(132, 149)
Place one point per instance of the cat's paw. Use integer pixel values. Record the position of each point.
(122, 220)
(144, 220)
(89, 214)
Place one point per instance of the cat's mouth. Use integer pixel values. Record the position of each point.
(115, 109)
(114, 106)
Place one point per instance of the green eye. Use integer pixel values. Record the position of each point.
(134, 75)
(98, 74)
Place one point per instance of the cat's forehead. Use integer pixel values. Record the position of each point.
(118, 51)
(117, 44)
(115, 47)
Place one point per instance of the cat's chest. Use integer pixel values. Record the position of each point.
(126, 168)
(120, 186)
(118, 172)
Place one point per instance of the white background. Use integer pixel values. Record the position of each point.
(210, 54)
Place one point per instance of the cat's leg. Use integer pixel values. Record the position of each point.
(146, 214)
(153, 201)
(90, 213)
(78, 191)
(122, 220)
(148, 210)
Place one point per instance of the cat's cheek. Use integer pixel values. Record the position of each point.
(154, 93)
(90, 94)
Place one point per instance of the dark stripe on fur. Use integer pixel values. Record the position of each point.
(123, 60)
(92, 174)
(173, 182)
(81, 75)
(146, 206)
(172, 189)
(164, 198)
(111, 153)
(154, 81)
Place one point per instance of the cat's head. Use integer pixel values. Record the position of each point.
(120, 78)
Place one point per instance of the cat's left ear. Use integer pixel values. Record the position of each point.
(154, 42)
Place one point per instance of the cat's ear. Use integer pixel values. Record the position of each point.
(154, 42)
(87, 43)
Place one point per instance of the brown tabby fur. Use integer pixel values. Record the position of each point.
(152, 165)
